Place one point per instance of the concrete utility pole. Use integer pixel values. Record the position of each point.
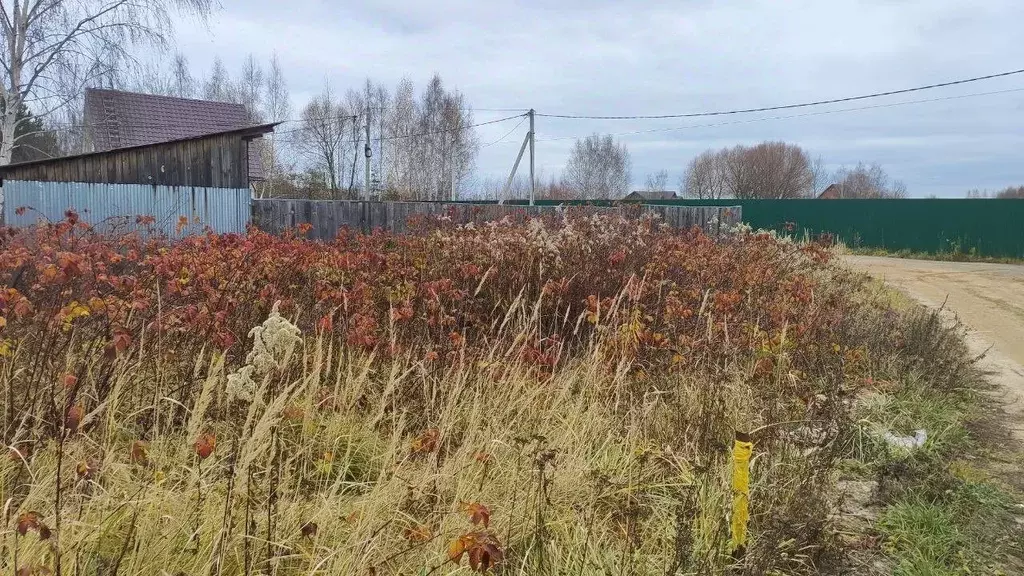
(528, 141)
(533, 184)
(369, 153)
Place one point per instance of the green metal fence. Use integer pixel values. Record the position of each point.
(984, 227)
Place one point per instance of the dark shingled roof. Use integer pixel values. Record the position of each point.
(117, 119)
(652, 195)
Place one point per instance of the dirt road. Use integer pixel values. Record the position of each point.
(988, 298)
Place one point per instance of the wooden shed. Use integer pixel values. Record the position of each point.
(218, 160)
(203, 178)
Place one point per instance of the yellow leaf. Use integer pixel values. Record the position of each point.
(456, 549)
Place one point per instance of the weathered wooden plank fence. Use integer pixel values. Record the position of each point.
(328, 216)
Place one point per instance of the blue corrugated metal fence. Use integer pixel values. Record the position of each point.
(115, 206)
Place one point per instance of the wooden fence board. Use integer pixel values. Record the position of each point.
(328, 216)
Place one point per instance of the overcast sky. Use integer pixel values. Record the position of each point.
(631, 57)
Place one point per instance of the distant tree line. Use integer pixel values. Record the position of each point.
(1008, 192)
(779, 170)
(422, 147)
(599, 168)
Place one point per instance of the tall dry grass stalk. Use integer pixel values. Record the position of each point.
(586, 469)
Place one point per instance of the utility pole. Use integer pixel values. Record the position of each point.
(528, 141)
(369, 153)
(533, 184)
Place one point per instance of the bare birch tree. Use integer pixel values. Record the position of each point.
(276, 107)
(868, 181)
(355, 108)
(705, 177)
(776, 170)
(428, 145)
(598, 168)
(399, 127)
(218, 85)
(52, 49)
(249, 90)
(766, 170)
(657, 181)
(321, 136)
(277, 104)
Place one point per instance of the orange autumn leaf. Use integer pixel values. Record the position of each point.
(121, 341)
(483, 549)
(205, 445)
(70, 380)
(140, 452)
(50, 272)
(426, 442)
(483, 457)
(478, 513)
(73, 417)
(457, 548)
(27, 521)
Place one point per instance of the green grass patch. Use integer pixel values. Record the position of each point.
(944, 256)
(941, 515)
(969, 530)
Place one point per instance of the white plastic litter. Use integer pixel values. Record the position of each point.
(908, 442)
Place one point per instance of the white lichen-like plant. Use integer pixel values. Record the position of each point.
(272, 346)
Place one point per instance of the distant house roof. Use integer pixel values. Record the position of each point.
(830, 193)
(651, 195)
(117, 119)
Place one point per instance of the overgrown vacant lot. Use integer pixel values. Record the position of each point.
(554, 397)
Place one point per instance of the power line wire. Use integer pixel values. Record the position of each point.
(803, 115)
(507, 134)
(421, 134)
(786, 106)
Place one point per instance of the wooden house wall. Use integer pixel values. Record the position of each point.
(219, 161)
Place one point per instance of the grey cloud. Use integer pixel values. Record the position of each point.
(665, 57)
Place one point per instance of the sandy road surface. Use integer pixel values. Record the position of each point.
(988, 298)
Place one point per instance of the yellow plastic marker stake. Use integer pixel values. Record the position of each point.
(740, 492)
